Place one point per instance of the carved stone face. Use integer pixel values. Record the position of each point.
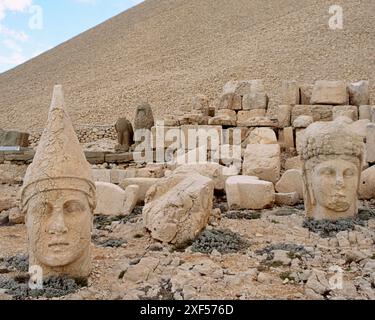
(334, 186)
(59, 224)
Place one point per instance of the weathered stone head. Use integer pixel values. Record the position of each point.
(144, 118)
(332, 163)
(58, 197)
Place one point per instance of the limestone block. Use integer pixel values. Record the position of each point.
(370, 143)
(235, 135)
(359, 93)
(101, 175)
(345, 111)
(303, 122)
(306, 93)
(329, 92)
(192, 136)
(131, 199)
(365, 112)
(110, 199)
(224, 117)
(288, 135)
(144, 185)
(360, 127)
(299, 139)
(244, 87)
(247, 192)
(318, 112)
(255, 100)
(287, 199)
(231, 101)
(200, 103)
(293, 163)
(290, 92)
(262, 161)
(284, 114)
(16, 216)
(367, 184)
(262, 136)
(211, 170)
(14, 139)
(243, 117)
(118, 175)
(291, 181)
(260, 122)
(178, 208)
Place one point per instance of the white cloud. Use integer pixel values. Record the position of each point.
(13, 5)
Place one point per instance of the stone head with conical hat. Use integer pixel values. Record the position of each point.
(58, 197)
(332, 158)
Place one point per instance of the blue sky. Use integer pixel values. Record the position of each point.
(30, 27)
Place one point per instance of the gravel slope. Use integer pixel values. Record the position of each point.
(165, 51)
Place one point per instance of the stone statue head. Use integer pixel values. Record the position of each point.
(332, 158)
(58, 197)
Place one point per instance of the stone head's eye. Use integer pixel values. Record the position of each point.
(348, 173)
(72, 206)
(327, 172)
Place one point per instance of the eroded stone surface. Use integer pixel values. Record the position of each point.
(332, 156)
(58, 196)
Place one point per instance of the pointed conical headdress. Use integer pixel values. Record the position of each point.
(59, 162)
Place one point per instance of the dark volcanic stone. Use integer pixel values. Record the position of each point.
(223, 241)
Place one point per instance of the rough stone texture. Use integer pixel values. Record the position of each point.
(231, 101)
(246, 192)
(144, 185)
(16, 216)
(262, 161)
(110, 199)
(290, 94)
(293, 163)
(11, 173)
(359, 93)
(306, 93)
(291, 181)
(345, 111)
(131, 199)
(243, 117)
(365, 112)
(299, 139)
(59, 184)
(287, 199)
(213, 171)
(125, 134)
(332, 163)
(200, 103)
(288, 138)
(360, 127)
(178, 208)
(284, 114)
(262, 136)
(101, 175)
(260, 122)
(367, 184)
(303, 121)
(243, 87)
(318, 112)
(370, 143)
(224, 117)
(144, 118)
(329, 92)
(210, 135)
(255, 100)
(14, 139)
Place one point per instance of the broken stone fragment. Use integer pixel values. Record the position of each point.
(178, 208)
(247, 192)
